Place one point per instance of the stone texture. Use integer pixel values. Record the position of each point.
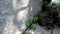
(41, 30)
(14, 13)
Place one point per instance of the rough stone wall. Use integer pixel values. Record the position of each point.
(14, 14)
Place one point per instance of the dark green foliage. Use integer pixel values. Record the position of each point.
(28, 22)
(35, 19)
(52, 5)
(34, 26)
(32, 23)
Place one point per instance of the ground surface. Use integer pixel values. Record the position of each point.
(14, 13)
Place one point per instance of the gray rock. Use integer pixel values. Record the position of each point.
(14, 14)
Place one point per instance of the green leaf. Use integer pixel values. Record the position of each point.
(34, 26)
(35, 19)
(28, 32)
(28, 23)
